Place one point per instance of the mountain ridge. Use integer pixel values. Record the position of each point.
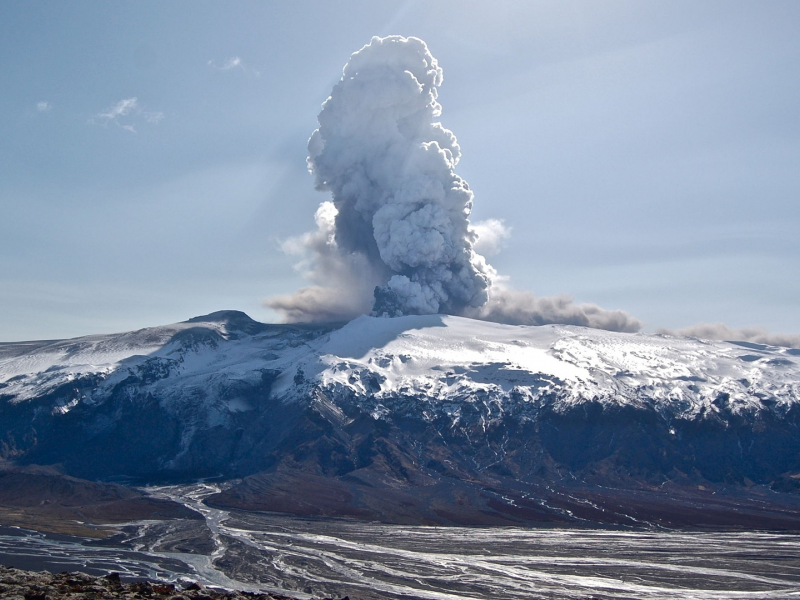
(431, 419)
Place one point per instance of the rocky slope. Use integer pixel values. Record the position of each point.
(45, 500)
(16, 584)
(430, 419)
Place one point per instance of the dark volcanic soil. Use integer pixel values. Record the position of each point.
(502, 501)
(43, 499)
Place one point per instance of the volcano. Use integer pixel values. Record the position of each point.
(428, 419)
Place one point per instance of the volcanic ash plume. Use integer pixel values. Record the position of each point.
(396, 238)
(398, 204)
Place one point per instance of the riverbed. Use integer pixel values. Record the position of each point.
(369, 561)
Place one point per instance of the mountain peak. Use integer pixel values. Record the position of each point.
(234, 321)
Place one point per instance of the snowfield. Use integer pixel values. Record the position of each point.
(439, 358)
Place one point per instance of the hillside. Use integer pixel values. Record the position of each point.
(424, 419)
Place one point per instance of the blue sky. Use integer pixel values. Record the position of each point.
(644, 154)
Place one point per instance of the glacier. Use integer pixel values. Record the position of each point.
(419, 419)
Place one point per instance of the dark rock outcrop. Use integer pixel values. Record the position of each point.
(16, 584)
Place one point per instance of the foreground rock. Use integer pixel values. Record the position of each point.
(16, 584)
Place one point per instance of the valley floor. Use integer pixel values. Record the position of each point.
(271, 553)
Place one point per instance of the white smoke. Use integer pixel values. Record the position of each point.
(490, 236)
(344, 280)
(720, 331)
(396, 235)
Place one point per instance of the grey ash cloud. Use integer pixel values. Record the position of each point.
(395, 238)
(515, 307)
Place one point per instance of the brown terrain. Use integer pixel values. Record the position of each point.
(373, 495)
(42, 499)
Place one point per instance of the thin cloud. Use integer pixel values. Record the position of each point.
(44, 106)
(121, 109)
(127, 114)
(233, 63)
(153, 117)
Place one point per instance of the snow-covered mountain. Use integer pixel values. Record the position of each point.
(443, 360)
(435, 359)
(419, 419)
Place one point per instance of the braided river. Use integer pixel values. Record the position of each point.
(310, 558)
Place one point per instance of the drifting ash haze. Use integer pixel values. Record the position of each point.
(720, 331)
(396, 238)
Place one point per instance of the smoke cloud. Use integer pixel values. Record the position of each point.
(720, 331)
(514, 307)
(395, 238)
(344, 280)
(490, 236)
